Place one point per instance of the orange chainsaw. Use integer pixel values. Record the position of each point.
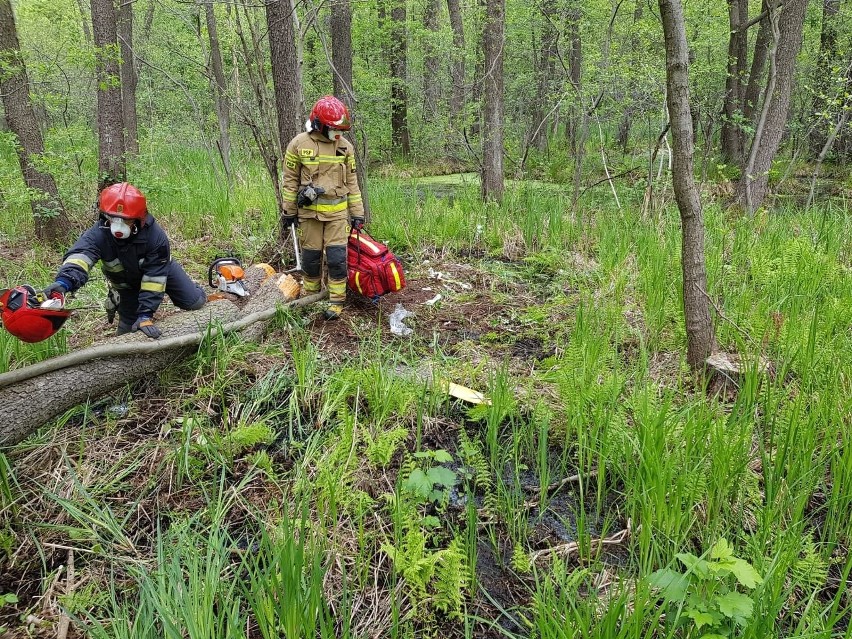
(226, 275)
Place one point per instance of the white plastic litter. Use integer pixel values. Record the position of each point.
(54, 304)
(434, 300)
(396, 325)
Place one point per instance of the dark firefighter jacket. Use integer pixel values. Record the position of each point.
(140, 263)
(311, 158)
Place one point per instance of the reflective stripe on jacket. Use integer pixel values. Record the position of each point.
(311, 158)
(140, 263)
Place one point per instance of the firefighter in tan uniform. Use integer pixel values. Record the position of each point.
(321, 195)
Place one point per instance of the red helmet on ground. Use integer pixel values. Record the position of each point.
(123, 200)
(22, 316)
(330, 112)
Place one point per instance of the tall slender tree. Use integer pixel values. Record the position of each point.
(48, 213)
(111, 151)
(492, 102)
(341, 60)
(700, 335)
(545, 75)
(431, 60)
(219, 86)
(731, 135)
(341, 50)
(129, 79)
(457, 76)
(823, 80)
(786, 22)
(286, 73)
(398, 51)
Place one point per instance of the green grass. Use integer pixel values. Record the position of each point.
(286, 481)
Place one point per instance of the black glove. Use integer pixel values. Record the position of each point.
(289, 220)
(358, 223)
(57, 288)
(308, 195)
(145, 324)
(111, 304)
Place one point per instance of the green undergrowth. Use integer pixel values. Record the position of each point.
(296, 488)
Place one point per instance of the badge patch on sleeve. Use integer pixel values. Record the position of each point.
(290, 164)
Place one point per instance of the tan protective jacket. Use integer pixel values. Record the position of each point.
(311, 158)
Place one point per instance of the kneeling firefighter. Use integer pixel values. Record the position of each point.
(135, 257)
(321, 195)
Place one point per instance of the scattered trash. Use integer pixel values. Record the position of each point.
(119, 410)
(442, 277)
(435, 275)
(465, 394)
(396, 325)
(434, 300)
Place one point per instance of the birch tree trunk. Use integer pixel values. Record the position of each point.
(700, 335)
(492, 102)
(111, 151)
(49, 216)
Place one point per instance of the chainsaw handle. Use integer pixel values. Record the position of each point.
(296, 247)
(213, 275)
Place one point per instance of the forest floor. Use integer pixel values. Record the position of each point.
(174, 507)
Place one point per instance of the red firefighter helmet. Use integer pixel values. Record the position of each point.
(22, 316)
(330, 112)
(123, 200)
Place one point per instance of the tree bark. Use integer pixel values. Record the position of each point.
(431, 61)
(341, 50)
(751, 97)
(457, 67)
(219, 86)
(111, 151)
(399, 77)
(575, 78)
(286, 73)
(49, 216)
(731, 134)
(823, 84)
(341, 59)
(623, 134)
(129, 79)
(700, 335)
(754, 182)
(89, 374)
(492, 103)
(84, 21)
(545, 72)
(457, 77)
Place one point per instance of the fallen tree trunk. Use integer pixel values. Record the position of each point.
(33, 395)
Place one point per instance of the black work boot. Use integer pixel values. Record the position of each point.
(334, 311)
